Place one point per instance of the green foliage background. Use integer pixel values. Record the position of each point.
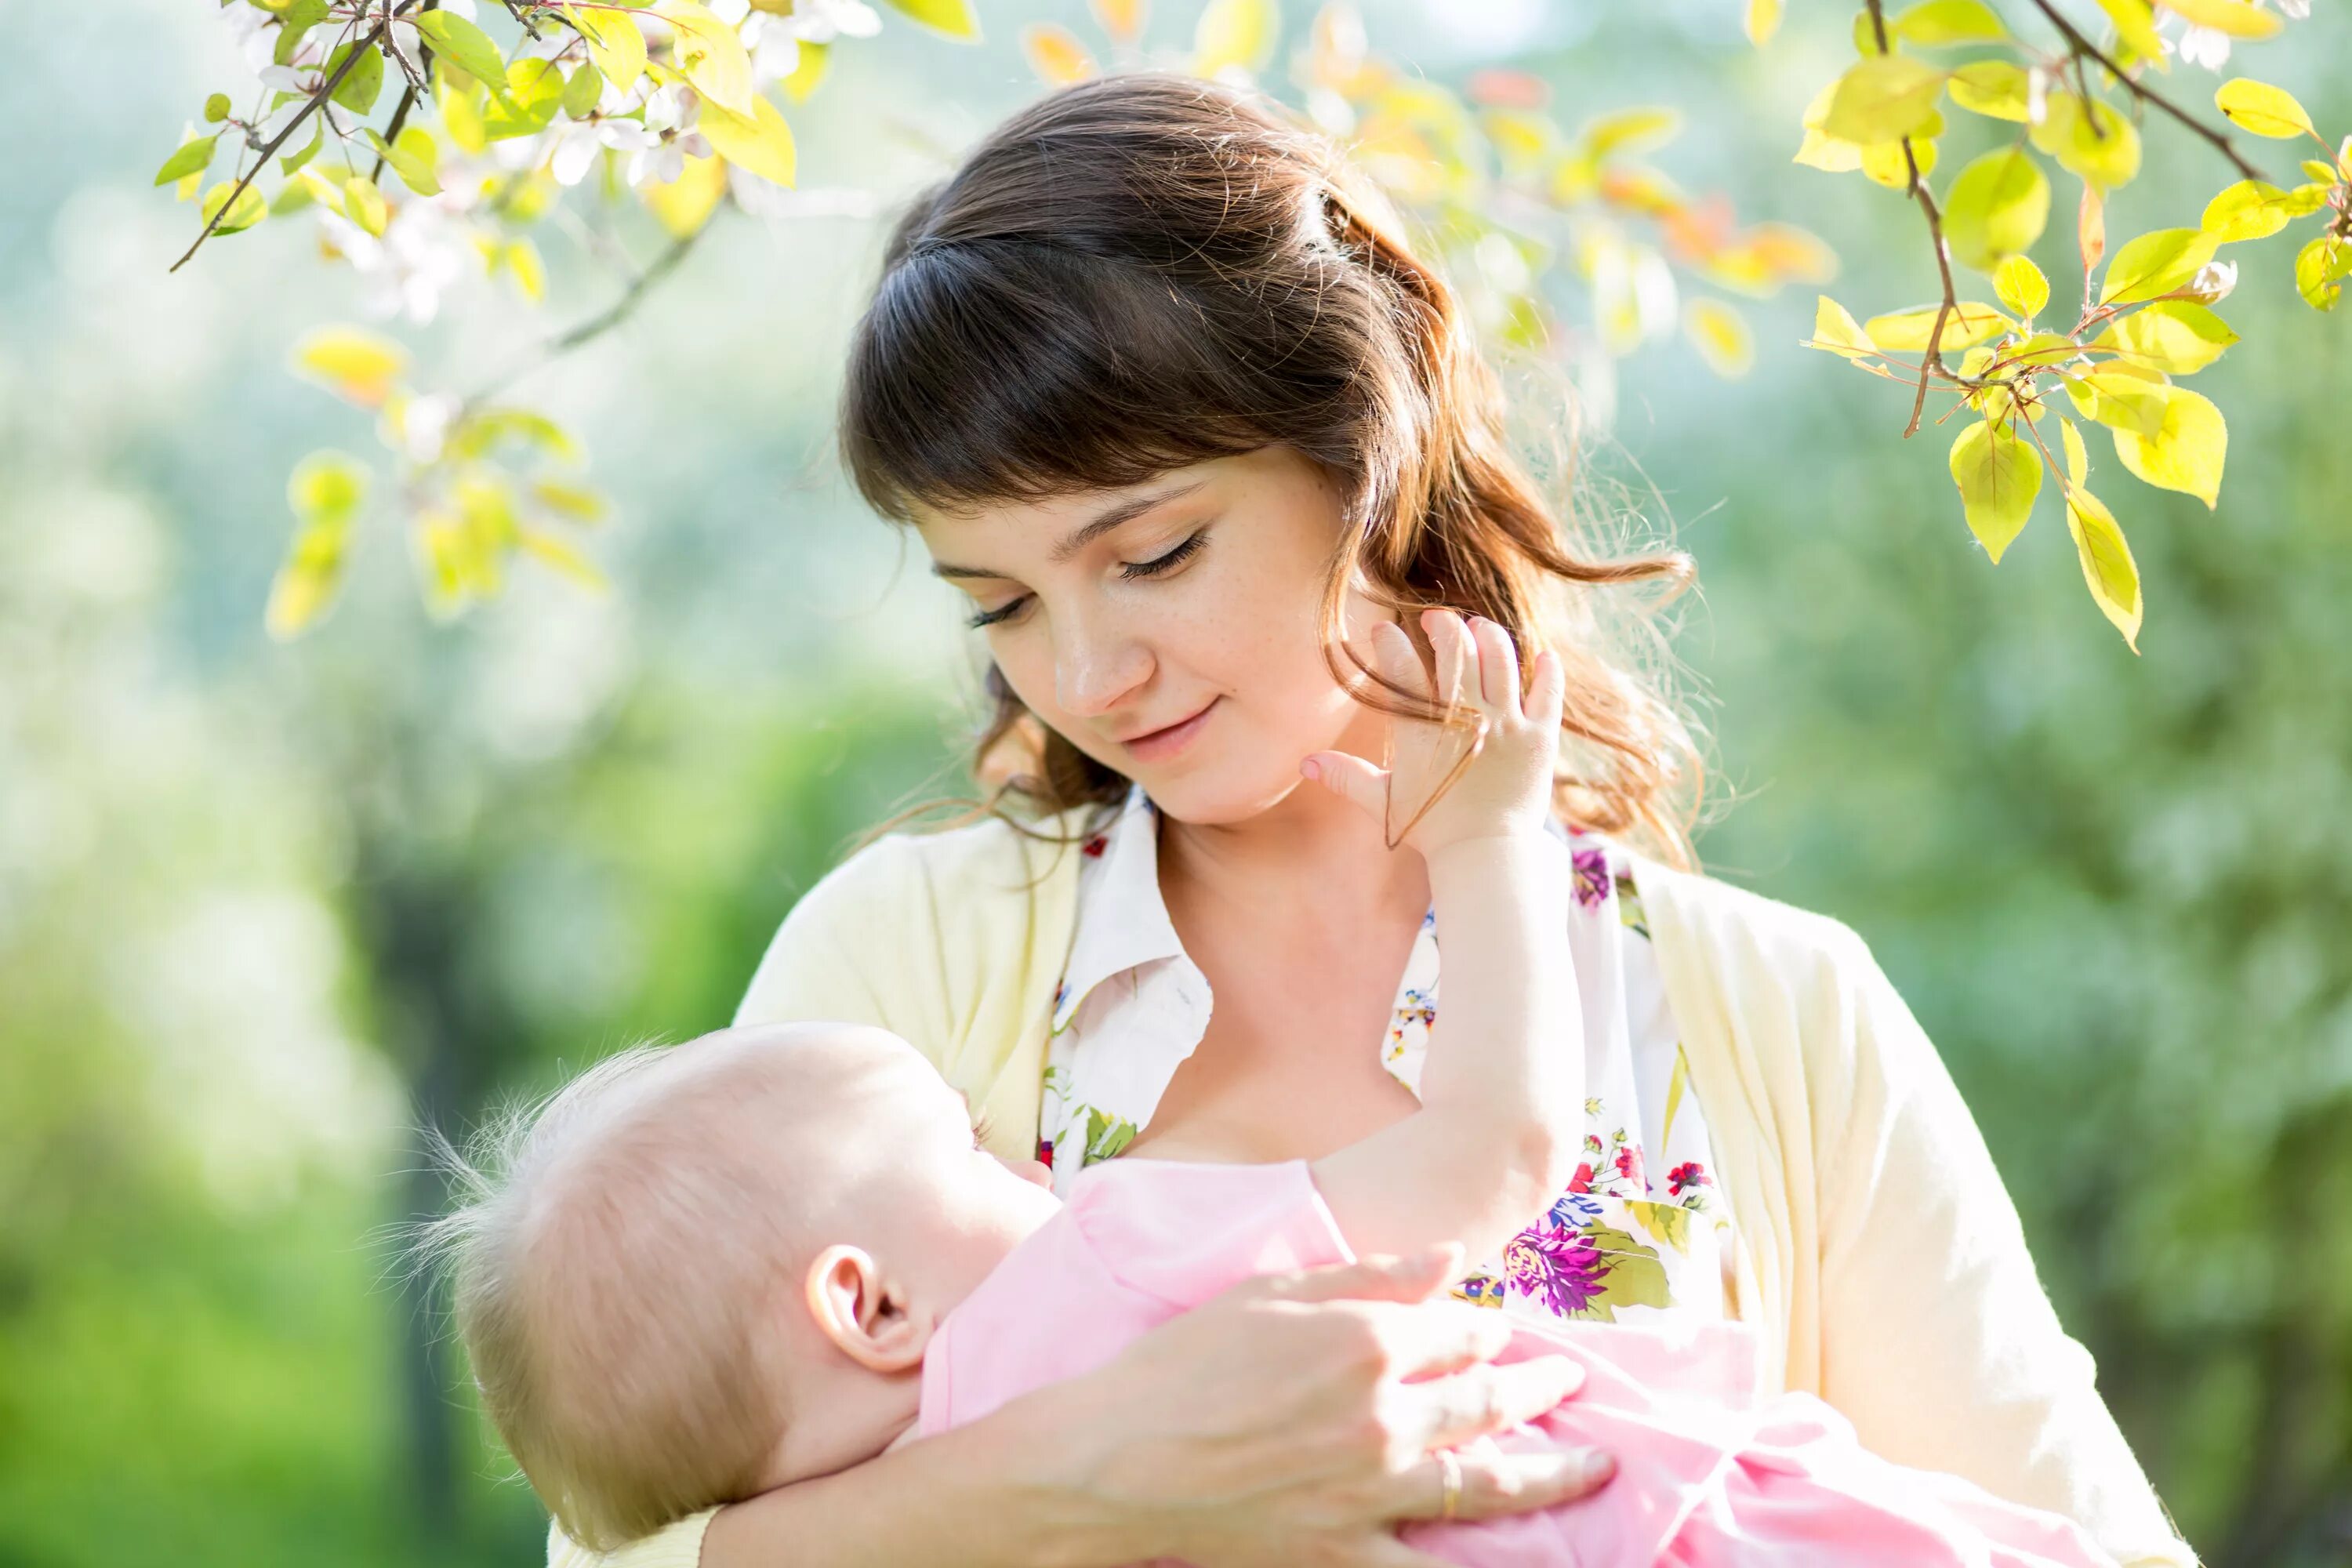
(261, 906)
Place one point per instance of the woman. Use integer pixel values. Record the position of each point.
(1165, 394)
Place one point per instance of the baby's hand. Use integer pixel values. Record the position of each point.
(1504, 785)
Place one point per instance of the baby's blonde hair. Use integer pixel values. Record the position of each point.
(614, 1275)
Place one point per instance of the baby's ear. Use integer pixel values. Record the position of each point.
(866, 1319)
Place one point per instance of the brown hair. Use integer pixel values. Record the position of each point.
(1144, 271)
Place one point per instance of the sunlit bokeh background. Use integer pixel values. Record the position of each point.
(263, 907)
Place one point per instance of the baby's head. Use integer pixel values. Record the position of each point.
(661, 1269)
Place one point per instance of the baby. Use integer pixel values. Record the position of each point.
(772, 1253)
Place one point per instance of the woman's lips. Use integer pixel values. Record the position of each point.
(1160, 745)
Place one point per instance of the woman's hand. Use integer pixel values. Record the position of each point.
(1292, 1421)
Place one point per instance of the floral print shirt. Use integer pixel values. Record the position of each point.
(1641, 1230)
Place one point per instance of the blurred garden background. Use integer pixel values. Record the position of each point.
(264, 905)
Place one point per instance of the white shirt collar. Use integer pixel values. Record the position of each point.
(1122, 917)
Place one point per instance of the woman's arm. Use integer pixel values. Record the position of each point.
(1938, 1339)
(1274, 1425)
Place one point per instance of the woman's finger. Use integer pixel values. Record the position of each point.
(1498, 666)
(1374, 1279)
(1480, 1400)
(1496, 1483)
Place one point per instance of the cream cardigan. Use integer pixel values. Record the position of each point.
(1876, 1241)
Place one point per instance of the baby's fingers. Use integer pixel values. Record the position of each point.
(1547, 691)
(1396, 662)
(1456, 655)
(1351, 778)
(1498, 667)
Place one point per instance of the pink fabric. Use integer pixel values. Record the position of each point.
(1708, 1475)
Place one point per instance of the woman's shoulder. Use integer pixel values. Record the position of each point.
(1689, 907)
(923, 866)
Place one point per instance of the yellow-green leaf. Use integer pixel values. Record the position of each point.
(1999, 475)
(413, 158)
(571, 502)
(762, 144)
(1995, 88)
(1236, 34)
(710, 53)
(1997, 206)
(1055, 55)
(358, 366)
(561, 555)
(465, 46)
(1946, 22)
(2078, 461)
(534, 90)
(461, 97)
(2251, 209)
(2108, 569)
(1630, 130)
(1884, 162)
(2022, 286)
(366, 205)
(193, 158)
(2156, 263)
(1882, 99)
(326, 491)
(686, 203)
(2319, 271)
(1906, 332)
(2090, 140)
(529, 273)
(1720, 334)
(2039, 351)
(808, 71)
(1122, 19)
(2179, 337)
(2235, 17)
(1836, 332)
(614, 42)
(1763, 20)
(2187, 450)
(952, 18)
(2261, 109)
(237, 213)
(2127, 396)
(2135, 23)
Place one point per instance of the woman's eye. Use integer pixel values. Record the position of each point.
(998, 615)
(1168, 563)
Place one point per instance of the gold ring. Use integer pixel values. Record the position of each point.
(1450, 1468)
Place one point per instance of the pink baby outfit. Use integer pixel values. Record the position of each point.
(1708, 1476)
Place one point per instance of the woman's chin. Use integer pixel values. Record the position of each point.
(1202, 798)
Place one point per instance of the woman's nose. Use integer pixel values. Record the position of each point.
(1097, 668)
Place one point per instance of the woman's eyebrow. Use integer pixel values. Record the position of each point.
(1102, 523)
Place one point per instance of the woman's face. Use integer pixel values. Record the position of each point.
(1169, 630)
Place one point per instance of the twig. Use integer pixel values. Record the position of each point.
(326, 90)
(597, 325)
(391, 132)
(1934, 361)
(2144, 94)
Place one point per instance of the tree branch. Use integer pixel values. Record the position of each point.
(596, 326)
(326, 90)
(2084, 45)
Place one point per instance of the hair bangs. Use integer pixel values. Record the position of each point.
(1006, 369)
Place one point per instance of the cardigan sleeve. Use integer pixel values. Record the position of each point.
(1938, 1339)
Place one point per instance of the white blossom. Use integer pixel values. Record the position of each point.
(775, 48)
(577, 142)
(822, 21)
(422, 252)
(670, 114)
(2213, 281)
(2207, 47)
